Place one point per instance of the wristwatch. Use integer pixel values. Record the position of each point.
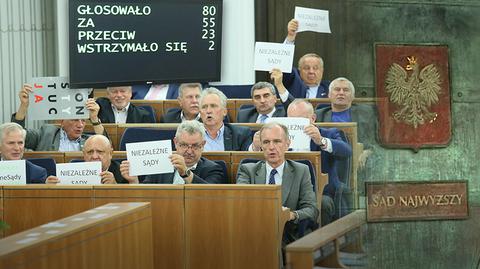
(98, 122)
(323, 142)
(187, 174)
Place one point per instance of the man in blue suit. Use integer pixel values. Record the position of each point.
(12, 146)
(306, 80)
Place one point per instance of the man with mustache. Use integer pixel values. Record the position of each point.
(264, 97)
(190, 166)
(116, 108)
(68, 137)
(188, 96)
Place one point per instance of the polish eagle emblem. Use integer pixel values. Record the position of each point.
(414, 91)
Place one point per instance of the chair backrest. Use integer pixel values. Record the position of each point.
(47, 163)
(235, 91)
(223, 164)
(150, 111)
(134, 134)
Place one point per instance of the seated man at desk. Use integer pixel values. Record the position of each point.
(221, 136)
(306, 80)
(116, 108)
(341, 94)
(264, 97)
(334, 148)
(98, 148)
(297, 189)
(188, 96)
(68, 137)
(190, 166)
(12, 147)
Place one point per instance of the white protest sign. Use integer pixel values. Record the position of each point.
(147, 158)
(81, 173)
(310, 19)
(13, 172)
(52, 99)
(273, 55)
(299, 141)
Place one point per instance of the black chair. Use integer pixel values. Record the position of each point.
(223, 164)
(136, 134)
(150, 111)
(47, 163)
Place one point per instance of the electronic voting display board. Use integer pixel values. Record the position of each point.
(132, 42)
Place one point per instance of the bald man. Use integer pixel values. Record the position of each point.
(98, 148)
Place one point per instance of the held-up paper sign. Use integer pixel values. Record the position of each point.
(82, 173)
(13, 172)
(148, 158)
(52, 99)
(310, 19)
(273, 55)
(299, 141)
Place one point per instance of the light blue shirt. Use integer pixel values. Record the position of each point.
(215, 144)
(68, 145)
(312, 92)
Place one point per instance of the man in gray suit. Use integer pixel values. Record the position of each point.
(68, 137)
(297, 188)
(264, 97)
(341, 94)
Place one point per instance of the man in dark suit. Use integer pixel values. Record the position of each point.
(155, 91)
(341, 94)
(68, 137)
(306, 80)
(99, 149)
(188, 96)
(116, 108)
(334, 149)
(297, 189)
(221, 136)
(12, 142)
(190, 166)
(264, 97)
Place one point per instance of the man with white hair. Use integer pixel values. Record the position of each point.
(116, 108)
(221, 136)
(190, 166)
(341, 94)
(12, 147)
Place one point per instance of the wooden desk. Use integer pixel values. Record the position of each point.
(225, 226)
(117, 236)
(32, 205)
(167, 202)
(300, 253)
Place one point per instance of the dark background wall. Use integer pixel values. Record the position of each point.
(356, 26)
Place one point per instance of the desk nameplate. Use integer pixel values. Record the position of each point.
(430, 200)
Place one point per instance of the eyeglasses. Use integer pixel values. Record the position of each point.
(192, 146)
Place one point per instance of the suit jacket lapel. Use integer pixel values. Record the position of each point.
(130, 113)
(287, 181)
(227, 138)
(261, 174)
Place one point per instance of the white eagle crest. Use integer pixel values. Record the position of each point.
(414, 93)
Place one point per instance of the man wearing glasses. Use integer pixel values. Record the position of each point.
(190, 166)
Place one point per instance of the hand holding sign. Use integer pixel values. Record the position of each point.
(53, 99)
(310, 19)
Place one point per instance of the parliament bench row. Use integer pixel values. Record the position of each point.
(233, 105)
